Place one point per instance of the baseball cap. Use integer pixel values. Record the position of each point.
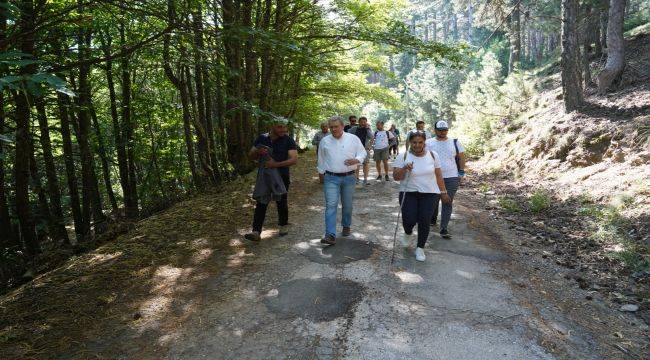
(442, 125)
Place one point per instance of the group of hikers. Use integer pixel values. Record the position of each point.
(429, 172)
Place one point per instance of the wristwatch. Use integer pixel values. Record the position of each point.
(461, 172)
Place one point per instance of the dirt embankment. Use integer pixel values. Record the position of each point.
(577, 185)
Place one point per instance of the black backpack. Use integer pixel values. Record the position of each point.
(457, 158)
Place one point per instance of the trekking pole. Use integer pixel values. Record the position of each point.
(399, 213)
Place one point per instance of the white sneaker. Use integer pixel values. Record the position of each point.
(406, 240)
(419, 254)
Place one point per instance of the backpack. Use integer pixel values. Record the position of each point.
(430, 153)
(456, 158)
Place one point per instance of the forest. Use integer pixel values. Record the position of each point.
(112, 110)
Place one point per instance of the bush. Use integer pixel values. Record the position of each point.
(539, 201)
(509, 205)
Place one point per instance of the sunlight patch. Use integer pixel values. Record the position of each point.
(408, 277)
(465, 274)
(100, 258)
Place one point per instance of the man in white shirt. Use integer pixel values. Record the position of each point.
(381, 145)
(452, 158)
(338, 157)
(419, 127)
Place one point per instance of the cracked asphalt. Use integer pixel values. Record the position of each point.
(290, 298)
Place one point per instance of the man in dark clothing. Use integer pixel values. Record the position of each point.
(364, 133)
(353, 122)
(279, 151)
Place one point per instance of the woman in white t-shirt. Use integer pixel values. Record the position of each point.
(421, 185)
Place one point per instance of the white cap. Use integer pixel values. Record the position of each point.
(442, 125)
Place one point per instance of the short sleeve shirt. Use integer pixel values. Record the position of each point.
(381, 139)
(447, 152)
(280, 146)
(423, 176)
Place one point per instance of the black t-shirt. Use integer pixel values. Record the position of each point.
(347, 127)
(280, 146)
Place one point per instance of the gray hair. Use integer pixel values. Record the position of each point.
(334, 119)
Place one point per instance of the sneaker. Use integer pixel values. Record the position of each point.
(445, 234)
(433, 222)
(284, 230)
(386, 178)
(328, 239)
(379, 177)
(358, 181)
(253, 236)
(406, 239)
(419, 254)
(365, 182)
(346, 231)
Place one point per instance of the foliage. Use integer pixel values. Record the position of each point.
(539, 201)
(509, 205)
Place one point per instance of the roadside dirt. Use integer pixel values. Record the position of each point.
(185, 285)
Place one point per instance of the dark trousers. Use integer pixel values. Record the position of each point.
(417, 208)
(283, 209)
(445, 214)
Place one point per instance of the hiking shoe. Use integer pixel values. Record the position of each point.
(379, 177)
(346, 231)
(284, 230)
(445, 234)
(328, 239)
(406, 239)
(253, 236)
(365, 182)
(419, 254)
(386, 178)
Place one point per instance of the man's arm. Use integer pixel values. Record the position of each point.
(461, 161)
(292, 160)
(254, 153)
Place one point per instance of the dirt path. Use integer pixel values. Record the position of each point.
(185, 285)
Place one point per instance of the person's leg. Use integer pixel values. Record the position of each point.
(378, 165)
(434, 213)
(386, 164)
(258, 216)
(366, 170)
(425, 208)
(445, 214)
(283, 204)
(408, 202)
(331, 190)
(347, 198)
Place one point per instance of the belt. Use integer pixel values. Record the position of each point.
(340, 174)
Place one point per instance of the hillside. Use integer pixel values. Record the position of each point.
(577, 185)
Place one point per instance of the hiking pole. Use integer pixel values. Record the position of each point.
(399, 213)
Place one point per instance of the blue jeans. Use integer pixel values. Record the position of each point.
(335, 188)
(452, 186)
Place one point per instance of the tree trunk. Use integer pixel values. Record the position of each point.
(570, 62)
(7, 236)
(615, 47)
(201, 123)
(92, 199)
(56, 213)
(80, 224)
(515, 39)
(586, 43)
(106, 170)
(25, 24)
(434, 27)
(131, 196)
(120, 145)
(179, 83)
(470, 21)
(43, 213)
(454, 26)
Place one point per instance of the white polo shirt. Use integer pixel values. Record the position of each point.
(333, 152)
(423, 176)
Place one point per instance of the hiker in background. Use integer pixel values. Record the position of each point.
(364, 133)
(277, 151)
(452, 159)
(393, 149)
(352, 121)
(419, 126)
(338, 158)
(381, 141)
(324, 131)
(421, 185)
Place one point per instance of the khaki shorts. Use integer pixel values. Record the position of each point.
(380, 154)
